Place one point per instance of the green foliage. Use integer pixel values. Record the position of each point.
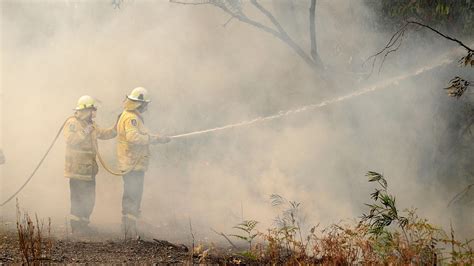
(383, 211)
(382, 236)
(247, 227)
(456, 16)
(248, 255)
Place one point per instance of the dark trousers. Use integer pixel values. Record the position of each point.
(82, 198)
(132, 193)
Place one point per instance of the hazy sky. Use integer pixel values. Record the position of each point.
(201, 74)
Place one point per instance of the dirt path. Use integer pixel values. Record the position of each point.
(109, 251)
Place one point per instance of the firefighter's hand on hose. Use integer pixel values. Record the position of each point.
(154, 139)
(164, 139)
(88, 129)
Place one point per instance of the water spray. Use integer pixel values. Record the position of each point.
(304, 108)
(280, 114)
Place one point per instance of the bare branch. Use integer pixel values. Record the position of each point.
(443, 35)
(284, 36)
(397, 38)
(245, 19)
(312, 30)
(393, 40)
(223, 235)
(269, 16)
(280, 33)
(390, 43)
(392, 50)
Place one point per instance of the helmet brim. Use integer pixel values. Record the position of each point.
(138, 100)
(79, 109)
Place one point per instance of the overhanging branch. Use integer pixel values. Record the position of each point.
(279, 32)
(284, 36)
(441, 34)
(397, 38)
(269, 16)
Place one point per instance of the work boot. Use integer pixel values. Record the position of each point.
(75, 226)
(87, 230)
(129, 227)
(81, 227)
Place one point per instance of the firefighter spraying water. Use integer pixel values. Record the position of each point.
(237, 132)
(133, 154)
(134, 138)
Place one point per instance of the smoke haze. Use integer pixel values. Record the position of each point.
(200, 75)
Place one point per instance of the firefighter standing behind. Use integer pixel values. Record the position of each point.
(133, 154)
(81, 135)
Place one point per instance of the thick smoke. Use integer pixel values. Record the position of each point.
(202, 74)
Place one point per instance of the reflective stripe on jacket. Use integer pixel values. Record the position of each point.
(80, 148)
(133, 142)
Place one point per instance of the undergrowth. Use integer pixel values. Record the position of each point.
(383, 235)
(34, 238)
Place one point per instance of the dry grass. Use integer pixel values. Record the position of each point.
(385, 235)
(34, 245)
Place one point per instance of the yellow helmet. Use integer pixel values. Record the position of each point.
(139, 94)
(85, 102)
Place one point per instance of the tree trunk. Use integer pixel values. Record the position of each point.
(312, 31)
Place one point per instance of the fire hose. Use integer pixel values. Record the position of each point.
(39, 164)
(280, 114)
(109, 169)
(101, 160)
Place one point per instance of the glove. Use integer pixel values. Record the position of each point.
(88, 129)
(158, 139)
(164, 139)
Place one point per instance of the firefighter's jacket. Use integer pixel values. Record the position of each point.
(133, 142)
(81, 147)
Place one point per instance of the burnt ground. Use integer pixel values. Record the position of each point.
(85, 249)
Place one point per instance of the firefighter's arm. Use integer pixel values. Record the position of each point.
(155, 138)
(74, 133)
(134, 135)
(106, 133)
